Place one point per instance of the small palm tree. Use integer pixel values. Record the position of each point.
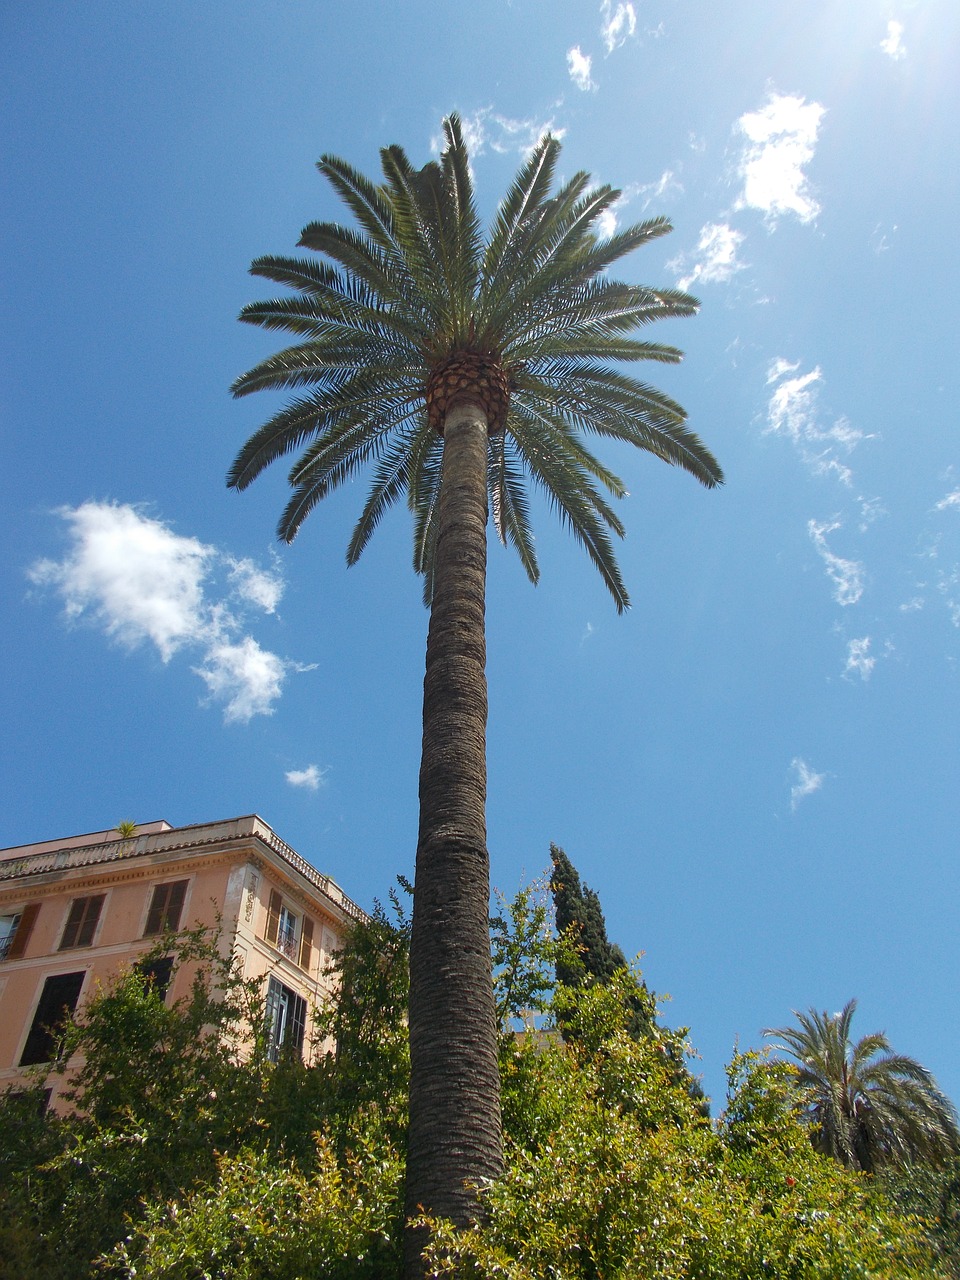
(460, 368)
(867, 1106)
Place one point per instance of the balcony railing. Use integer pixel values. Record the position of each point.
(142, 846)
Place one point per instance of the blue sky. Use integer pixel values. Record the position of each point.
(756, 768)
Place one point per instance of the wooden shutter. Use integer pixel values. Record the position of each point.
(155, 915)
(273, 917)
(90, 918)
(176, 893)
(74, 920)
(28, 918)
(306, 943)
(82, 921)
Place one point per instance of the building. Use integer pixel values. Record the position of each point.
(73, 911)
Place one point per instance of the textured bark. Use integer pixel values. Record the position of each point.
(454, 1135)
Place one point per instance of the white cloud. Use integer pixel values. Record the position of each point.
(780, 141)
(502, 134)
(311, 778)
(262, 587)
(138, 579)
(578, 65)
(139, 582)
(871, 509)
(893, 46)
(617, 24)
(792, 411)
(246, 678)
(846, 575)
(715, 257)
(807, 781)
(951, 500)
(859, 659)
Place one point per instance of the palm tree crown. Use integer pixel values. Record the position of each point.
(868, 1107)
(414, 313)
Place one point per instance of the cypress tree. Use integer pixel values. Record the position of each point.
(579, 917)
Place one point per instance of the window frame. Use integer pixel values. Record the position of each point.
(295, 942)
(41, 1038)
(165, 911)
(14, 945)
(285, 1020)
(83, 919)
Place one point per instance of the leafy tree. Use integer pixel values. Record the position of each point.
(590, 957)
(526, 955)
(263, 1218)
(867, 1107)
(369, 1068)
(458, 366)
(613, 1173)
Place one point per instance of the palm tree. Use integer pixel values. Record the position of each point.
(867, 1106)
(461, 367)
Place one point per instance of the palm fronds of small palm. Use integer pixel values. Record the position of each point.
(867, 1106)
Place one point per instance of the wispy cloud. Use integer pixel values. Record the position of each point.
(793, 411)
(578, 65)
(951, 500)
(506, 135)
(781, 137)
(617, 24)
(859, 659)
(311, 778)
(846, 575)
(893, 45)
(807, 781)
(139, 582)
(714, 261)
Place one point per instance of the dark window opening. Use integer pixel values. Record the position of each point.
(82, 922)
(157, 974)
(286, 1021)
(165, 908)
(57, 1001)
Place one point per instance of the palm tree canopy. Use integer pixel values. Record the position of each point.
(412, 310)
(867, 1106)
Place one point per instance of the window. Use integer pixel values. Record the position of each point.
(15, 931)
(57, 1001)
(157, 974)
(286, 1021)
(288, 932)
(165, 908)
(82, 922)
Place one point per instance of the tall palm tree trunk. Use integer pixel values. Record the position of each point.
(454, 1134)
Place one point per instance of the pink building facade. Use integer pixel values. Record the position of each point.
(74, 911)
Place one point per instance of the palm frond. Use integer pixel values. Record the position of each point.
(377, 314)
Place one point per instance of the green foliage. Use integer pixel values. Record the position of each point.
(616, 1174)
(188, 1159)
(261, 1218)
(526, 954)
(867, 1107)
(163, 1093)
(590, 957)
(369, 1069)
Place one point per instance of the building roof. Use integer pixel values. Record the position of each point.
(158, 838)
